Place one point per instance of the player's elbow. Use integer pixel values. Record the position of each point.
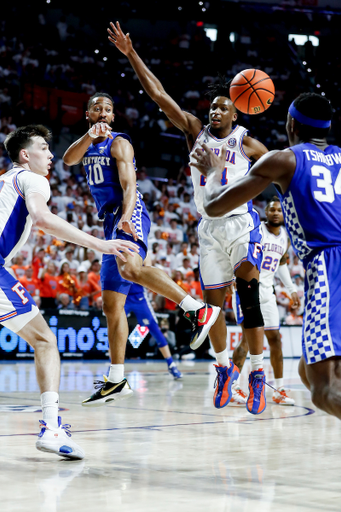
(43, 220)
(214, 209)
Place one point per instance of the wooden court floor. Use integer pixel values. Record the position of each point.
(167, 449)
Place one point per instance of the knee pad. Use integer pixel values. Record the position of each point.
(248, 292)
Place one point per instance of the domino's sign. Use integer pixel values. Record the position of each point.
(79, 334)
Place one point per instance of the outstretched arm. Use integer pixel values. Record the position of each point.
(153, 87)
(274, 167)
(54, 225)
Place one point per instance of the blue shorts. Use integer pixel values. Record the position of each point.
(110, 276)
(142, 309)
(321, 331)
(17, 307)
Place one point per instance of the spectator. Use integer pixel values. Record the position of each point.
(65, 302)
(18, 266)
(48, 285)
(29, 282)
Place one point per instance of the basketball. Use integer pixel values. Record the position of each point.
(252, 91)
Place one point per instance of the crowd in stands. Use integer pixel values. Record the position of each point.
(69, 54)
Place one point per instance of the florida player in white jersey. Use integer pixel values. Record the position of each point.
(275, 246)
(307, 176)
(108, 159)
(230, 245)
(24, 192)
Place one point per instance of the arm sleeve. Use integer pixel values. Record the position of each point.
(284, 275)
(30, 182)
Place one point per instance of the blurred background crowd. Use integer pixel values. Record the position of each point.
(52, 59)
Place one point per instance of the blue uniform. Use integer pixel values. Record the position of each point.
(103, 180)
(312, 214)
(137, 302)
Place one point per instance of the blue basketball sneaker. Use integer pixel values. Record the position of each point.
(223, 384)
(174, 371)
(256, 403)
(58, 441)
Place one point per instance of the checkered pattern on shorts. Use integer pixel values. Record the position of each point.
(316, 335)
(136, 218)
(294, 227)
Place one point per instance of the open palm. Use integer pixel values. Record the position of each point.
(121, 41)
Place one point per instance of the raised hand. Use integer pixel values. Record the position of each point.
(119, 39)
(100, 130)
(207, 161)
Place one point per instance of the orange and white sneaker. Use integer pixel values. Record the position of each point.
(280, 397)
(239, 398)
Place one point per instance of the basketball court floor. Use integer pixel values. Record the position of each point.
(167, 448)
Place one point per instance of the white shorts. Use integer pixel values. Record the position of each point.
(224, 244)
(268, 307)
(17, 307)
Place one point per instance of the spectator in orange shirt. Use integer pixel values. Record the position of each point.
(29, 282)
(67, 283)
(88, 289)
(18, 267)
(194, 286)
(48, 286)
(38, 262)
(94, 277)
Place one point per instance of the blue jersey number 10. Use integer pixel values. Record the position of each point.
(95, 174)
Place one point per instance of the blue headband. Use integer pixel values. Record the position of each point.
(316, 123)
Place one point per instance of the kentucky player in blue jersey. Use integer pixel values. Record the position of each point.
(108, 158)
(308, 178)
(24, 192)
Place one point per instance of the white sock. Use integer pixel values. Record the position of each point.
(50, 406)
(256, 361)
(223, 358)
(116, 373)
(279, 383)
(190, 304)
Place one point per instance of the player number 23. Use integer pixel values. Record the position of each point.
(324, 182)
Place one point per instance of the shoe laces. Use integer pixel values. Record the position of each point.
(219, 379)
(193, 318)
(44, 427)
(99, 384)
(257, 387)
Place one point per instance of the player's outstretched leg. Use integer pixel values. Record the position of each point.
(58, 440)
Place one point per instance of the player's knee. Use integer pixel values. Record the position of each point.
(321, 396)
(130, 272)
(248, 292)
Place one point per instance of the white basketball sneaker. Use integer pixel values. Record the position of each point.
(238, 398)
(58, 441)
(280, 397)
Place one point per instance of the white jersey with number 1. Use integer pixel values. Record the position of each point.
(237, 166)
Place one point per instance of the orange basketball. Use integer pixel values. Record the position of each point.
(252, 91)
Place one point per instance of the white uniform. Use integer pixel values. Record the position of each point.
(17, 307)
(226, 242)
(274, 247)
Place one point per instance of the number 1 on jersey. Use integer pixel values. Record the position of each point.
(224, 179)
